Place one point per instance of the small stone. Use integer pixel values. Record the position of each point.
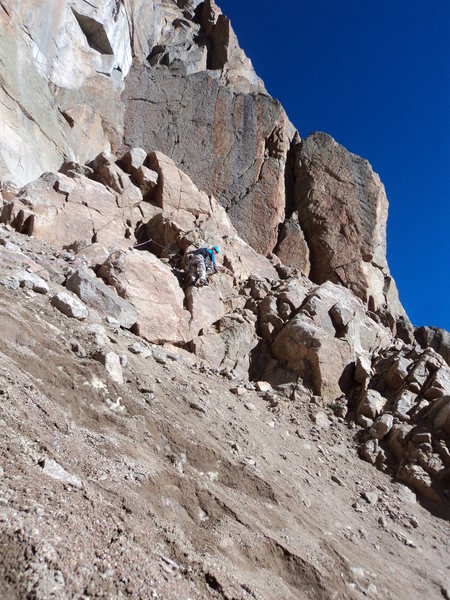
(32, 282)
(70, 306)
(321, 420)
(414, 522)
(341, 412)
(159, 356)
(263, 386)
(382, 521)
(370, 497)
(336, 479)
(357, 572)
(124, 360)
(135, 348)
(271, 424)
(239, 391)
(112, 365)
(56, 471)
(9, 282)
(76, 347)
(249, 406)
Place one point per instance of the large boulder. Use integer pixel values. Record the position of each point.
(229, 344)
(93, 292)
(150, 286)
(325, 336)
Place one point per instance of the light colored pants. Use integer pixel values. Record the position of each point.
(197, 269)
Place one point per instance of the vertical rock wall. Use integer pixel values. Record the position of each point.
(80, 78)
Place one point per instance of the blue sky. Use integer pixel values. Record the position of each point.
(374, 74)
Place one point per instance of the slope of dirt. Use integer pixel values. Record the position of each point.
(173, 486)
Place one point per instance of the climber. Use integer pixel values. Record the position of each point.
(199, 262)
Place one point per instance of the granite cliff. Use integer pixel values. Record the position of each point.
(163, 440)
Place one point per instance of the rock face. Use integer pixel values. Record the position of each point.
(241, 143)
(342, 208)
(75, 68)
(131, 402)
(169, 77)
(436, 338)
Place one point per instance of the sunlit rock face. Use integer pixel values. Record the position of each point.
(98, 78)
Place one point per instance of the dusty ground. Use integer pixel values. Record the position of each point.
(189, 490)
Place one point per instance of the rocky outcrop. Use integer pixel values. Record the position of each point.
(324, 337)
(342, 209)
(233, 146)
(435, 338)
(63, 210)
(403, 407)
(76, 66)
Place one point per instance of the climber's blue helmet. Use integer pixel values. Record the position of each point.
(216, 249)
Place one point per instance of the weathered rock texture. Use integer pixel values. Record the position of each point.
(75, 69)
(436, 338)
(342, 208)
(240, 140)
(170, 77)
(143, 132)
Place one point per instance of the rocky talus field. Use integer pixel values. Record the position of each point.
(281, 433)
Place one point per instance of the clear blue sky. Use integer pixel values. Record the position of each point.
(374, 74)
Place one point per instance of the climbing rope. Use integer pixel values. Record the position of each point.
(153, 241)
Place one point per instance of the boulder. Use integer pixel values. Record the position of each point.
(404, 404)
(371, 404)
(382, 426)
(399, 371)
(69, 305)
(93, 292)
(146, 180)
(133, 160)
(417, 478)
(112, 364)
(229, 344)
(150, 286)
(207, 304)
(315, 343)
